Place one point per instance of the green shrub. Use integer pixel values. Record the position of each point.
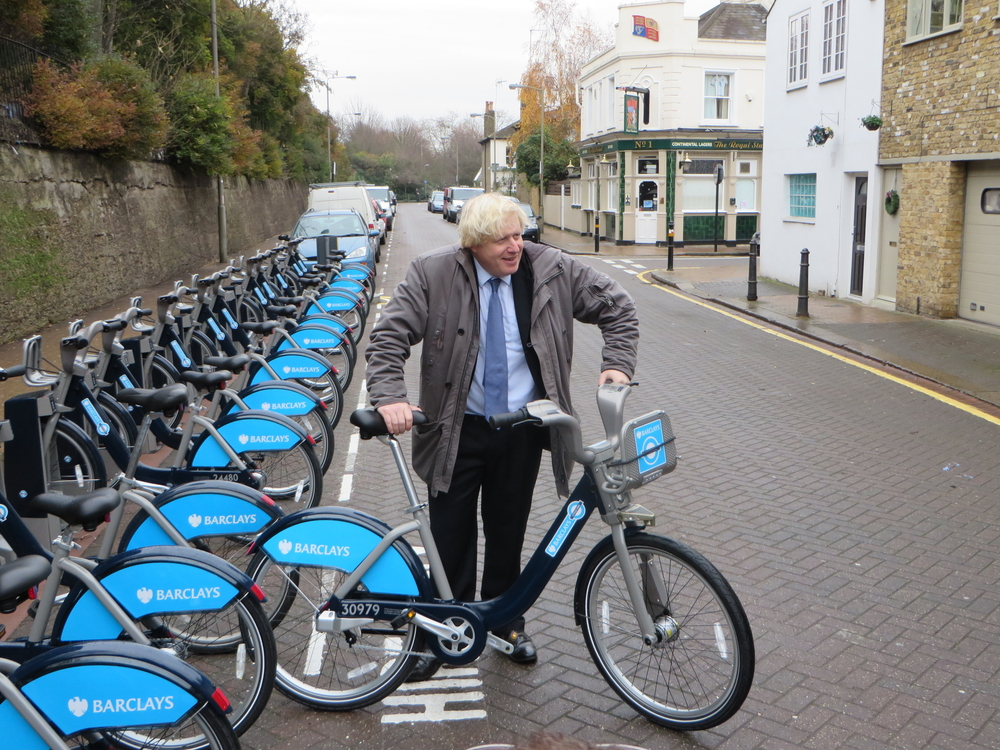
(200, 125)
(108, 106)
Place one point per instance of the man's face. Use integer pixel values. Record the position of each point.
(501, 257)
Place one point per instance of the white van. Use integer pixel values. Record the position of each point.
(332, 195)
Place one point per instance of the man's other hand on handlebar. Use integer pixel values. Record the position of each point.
(613, 376)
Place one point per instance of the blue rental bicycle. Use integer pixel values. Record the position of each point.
(354, 607)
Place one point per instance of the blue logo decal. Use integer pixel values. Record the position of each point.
(245, 435)
(3, 512)
(281, 282)
(218, 331)
(260, 295)
(91, 696)
(160, 587)
(202, 514)
(574, 512)
(102, 427)
(229, 318)
(647, 438)
(332, 304)
(343, 545)
(290, 367)
(185, 360)
(125, 382)
(268, 290)
(280, 399)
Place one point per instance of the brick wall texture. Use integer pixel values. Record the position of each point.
(940, 99)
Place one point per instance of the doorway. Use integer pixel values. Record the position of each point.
(858, 244)
(645, 214)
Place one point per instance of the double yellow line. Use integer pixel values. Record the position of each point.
(647, 277)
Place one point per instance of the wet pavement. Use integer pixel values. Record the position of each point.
(956, 353)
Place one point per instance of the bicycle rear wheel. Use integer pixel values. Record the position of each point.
(330, 671)
(233, 647)
(700, 672)
(293, 475)
(205, 730)
(73, 461)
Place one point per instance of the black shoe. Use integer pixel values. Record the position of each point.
(524, 650)
(425, 668)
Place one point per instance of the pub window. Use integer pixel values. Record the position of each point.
(649, 165)
(701, 166)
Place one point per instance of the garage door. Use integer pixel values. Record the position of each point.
(979, 297)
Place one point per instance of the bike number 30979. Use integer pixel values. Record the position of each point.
(359, 609)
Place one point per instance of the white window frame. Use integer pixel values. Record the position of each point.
(834, 50)
(731, 98)
(798, 51)
(609, 111)
(920, 16)
(802, 217)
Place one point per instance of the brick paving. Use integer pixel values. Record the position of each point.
(854, 516)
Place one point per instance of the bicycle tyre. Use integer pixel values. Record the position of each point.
(701, 673)
(234, 647)
(200, 347)
(119, 417)
(328, 389)
(206, 729)
(290, 476)
(332, 672)
(318, 426)
(74, 463)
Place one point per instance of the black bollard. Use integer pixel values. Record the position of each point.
(670, 246)
(752, 279)
(803, 310)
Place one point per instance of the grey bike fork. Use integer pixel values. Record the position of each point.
(635, 590)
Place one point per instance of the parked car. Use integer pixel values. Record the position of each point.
(352, 233)
(435, 204)
(334, 195)
(384, 216)
(386, 202)
(530, 231)
(454, 197)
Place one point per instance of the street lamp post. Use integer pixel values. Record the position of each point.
(541, 145)
(329, 150)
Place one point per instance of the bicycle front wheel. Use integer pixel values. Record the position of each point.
(73, 463)
(699, 673)
(289, 476)
(234, 647)
(205, 730)
(330, 671)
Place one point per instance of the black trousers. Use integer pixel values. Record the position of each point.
(503, 464)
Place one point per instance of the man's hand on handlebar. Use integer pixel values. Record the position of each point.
(398, 418)
(613, 376)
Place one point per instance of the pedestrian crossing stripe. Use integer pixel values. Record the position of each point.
(646, 276)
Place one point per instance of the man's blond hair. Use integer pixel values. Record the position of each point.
(486, 217)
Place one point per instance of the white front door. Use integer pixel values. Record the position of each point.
(645, 213)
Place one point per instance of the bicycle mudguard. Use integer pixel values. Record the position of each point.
(361, 274)
(245, 431)
(278, 397)
(328, 320)
(351, 286)
(291, 365)
(332, 302)
(312, 336)
(100, 685)
(147, 582)
(341, 538)
(202, 509)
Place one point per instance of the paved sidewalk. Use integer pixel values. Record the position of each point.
(956, 353)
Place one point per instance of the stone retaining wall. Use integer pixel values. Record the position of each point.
(77, 231)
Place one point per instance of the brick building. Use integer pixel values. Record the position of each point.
(941, 146)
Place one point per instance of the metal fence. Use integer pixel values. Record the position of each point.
(17, 61)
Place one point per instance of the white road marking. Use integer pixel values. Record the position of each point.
(347, 482)
(434, 704)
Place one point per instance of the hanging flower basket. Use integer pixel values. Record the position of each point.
(891, 202)
(819, 135)
(871, 122)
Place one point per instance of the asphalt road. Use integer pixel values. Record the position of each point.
(855, 517)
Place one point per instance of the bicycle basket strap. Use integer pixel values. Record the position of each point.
(648, 449)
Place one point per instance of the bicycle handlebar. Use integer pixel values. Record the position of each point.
(499, 421)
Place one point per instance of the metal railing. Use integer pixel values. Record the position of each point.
(17, 62)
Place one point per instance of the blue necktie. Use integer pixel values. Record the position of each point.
(495, 377)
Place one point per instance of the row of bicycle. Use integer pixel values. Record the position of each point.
(242, 375)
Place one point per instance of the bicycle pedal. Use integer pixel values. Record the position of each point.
(500, 644)
(33, 609)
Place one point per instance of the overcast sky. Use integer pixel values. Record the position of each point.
(428, 59)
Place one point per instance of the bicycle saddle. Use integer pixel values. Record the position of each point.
(234, 364)
(158, 400)
(283, 310)
(262, 328)
(88, 509)
(207, 381)
(371, 424)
